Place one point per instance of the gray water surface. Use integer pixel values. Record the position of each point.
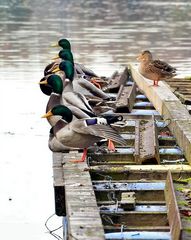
(105, 35)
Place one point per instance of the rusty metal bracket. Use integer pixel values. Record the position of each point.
(128, 200)
(146, 141)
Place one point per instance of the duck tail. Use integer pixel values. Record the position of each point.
(112, 119)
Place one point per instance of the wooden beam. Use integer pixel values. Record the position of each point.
(156, 95)
(140, 168)
(110, 229)
(146, 142)
(170, 107)
(134, 218)
(142, 195)
(81, 207)
(128, 200)
(134, 172)
(125, 98)
(117, 81)
(173, 211)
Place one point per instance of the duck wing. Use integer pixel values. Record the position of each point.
(91, 88)
(163, 67)
(54, 144)
(81, 69)
(80, 113)
(54, 99)
(76, 99)
(93, 126)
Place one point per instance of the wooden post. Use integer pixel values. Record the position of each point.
(172, 209)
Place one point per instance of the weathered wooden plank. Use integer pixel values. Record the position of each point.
(58, 182)
(81, 208)
(128, 200)
(149, 202)
(108, 228)
(170, 107)
(146, 142)
(145, 168)
(182, 131)
(173, 211)
(133, 218)
(134, 172)
(141, 195)
(125, 98)
(157, 95)
(175, 111)
(115, 83)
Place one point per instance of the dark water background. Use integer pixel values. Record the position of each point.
(104, 36)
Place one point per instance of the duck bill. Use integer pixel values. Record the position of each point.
(47, 115)
(43, 82)
(138, 58)
(55, 58)
(54, 45)
(55, 70)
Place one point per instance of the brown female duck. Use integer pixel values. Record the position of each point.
(155, 70)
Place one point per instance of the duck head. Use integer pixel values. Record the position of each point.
(145, 56)
(60, 110)
(68, 68)
(53, 83)
(65, 55)
(63, 43)
(46, 89)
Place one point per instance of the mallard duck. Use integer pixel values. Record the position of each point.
(63, 43)
(76, 102)
(80, 83)
(52, 86)
(81, 133)
(81, 69)
(155, 70)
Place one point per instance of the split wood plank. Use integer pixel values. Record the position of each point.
(146, 141)
(128, 200)
(126, 98)
(117, 81)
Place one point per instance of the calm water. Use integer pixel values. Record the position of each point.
(105, 35)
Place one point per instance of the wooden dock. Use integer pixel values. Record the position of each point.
(115, 195)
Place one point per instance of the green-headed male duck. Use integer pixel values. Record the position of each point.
(80, 83)
(81, 69)
(63, 94)
(64, 44)
(81, 133)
